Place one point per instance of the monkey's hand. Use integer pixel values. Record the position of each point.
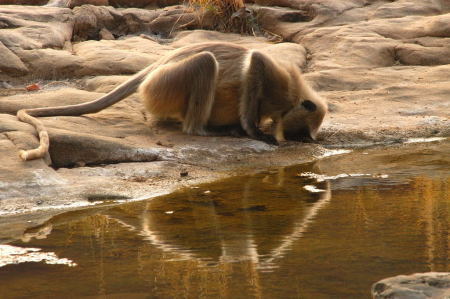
(267, 138)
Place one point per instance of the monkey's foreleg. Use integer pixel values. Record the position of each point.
(251, 97)
(279, 129)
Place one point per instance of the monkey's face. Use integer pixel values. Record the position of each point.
(303, 122)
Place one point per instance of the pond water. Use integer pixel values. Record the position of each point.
(362, 217)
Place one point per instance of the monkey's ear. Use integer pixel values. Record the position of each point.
(310, 106)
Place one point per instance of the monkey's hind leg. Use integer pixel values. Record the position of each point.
(204, 71)
(183, 89)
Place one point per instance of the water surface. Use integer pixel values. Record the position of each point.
(380, 213)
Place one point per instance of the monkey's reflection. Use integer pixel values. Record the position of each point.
(259, 221)
(256, 219)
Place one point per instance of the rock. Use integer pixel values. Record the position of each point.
(115, 3)
(20, 179)
(10, 63)
(5, 85)
(173, 20)
(289, 53)
(58, 3)
(89, 20)
(23, 2)
(108, 57)
(284, 22)
(71, 148)
(185, 38)
(103, 84)
(106, 34)
(285, 3)
(134, 3)
(416, 286)
(414, 54)
(74, 3)
(10, 123)
(45, 98)
(138, 20)
(35, 28)
(399, 9)
(64, 64)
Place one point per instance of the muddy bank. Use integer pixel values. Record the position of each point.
(383, 68)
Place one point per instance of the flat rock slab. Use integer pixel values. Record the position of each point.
(434, 285)
(383, 68)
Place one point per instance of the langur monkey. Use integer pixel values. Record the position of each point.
(214, 89)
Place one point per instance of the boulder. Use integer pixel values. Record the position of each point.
(10, 63)
(416, 286)
(35, 28)
(23, 2)
(74, 3)
(144, 3)
(114, 3)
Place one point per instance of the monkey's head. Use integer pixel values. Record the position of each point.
(303, 122)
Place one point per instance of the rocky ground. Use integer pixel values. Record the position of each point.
(383, 66)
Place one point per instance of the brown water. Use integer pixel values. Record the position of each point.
(260, 236)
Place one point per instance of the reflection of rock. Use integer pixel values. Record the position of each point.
(10, 255)
(417, 286)
(41, 233)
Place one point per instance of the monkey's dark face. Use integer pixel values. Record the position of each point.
(303, 122)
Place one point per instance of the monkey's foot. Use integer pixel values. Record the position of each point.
(23, 155)
(230, 130)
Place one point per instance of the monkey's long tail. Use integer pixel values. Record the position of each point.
(44, 142)
(26, 115)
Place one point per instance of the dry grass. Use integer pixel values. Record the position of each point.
(220, 7)
(224, 15)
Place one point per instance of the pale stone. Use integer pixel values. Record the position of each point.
(434, 285)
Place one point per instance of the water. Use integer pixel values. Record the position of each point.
(381, 213)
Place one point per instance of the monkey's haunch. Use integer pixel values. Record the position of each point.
(40, 151)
